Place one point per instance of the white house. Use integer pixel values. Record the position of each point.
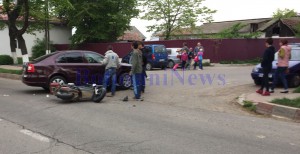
(59, 34)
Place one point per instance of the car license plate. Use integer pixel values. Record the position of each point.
(161, 60)
(261, 75)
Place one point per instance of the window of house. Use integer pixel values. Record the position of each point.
(254, 27)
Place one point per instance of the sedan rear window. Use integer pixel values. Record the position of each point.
(43, 57)
(70, 58)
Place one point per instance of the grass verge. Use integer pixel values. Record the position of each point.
(287, 102)
(2, 70)
(297, 90)
(251, 61)
(249, 105)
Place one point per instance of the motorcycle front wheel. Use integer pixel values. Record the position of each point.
(99, 94)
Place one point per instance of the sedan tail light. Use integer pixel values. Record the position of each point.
(30, 68)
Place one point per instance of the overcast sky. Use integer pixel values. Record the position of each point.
(235, 10)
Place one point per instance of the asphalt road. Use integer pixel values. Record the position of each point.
(174, 118)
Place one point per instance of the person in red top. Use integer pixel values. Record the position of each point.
(284, 55)
(184, 58)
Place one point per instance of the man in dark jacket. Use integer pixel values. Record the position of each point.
(145, 61)
(266, 65)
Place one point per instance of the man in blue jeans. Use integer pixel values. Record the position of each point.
(137, 71)
(112, 64)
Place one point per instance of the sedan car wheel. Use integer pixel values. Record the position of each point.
(125, 81)
(58, 79)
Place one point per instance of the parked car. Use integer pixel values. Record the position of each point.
(293, 77)
(74, 66)
(173, 56)
(157, 56)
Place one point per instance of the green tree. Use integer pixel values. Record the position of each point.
(285, 13)
(19, 12)
(298, 30)
(171, 15)
(101, 20)
(234, 32)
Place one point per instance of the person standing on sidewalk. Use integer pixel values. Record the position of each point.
(144, 74)
(190, 58)
(200, 59)
(112, 63)
(198, 48)
(266, 64)
(137, 71)
(184, 58)
(284, 56)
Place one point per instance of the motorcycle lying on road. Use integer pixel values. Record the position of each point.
(71, 92)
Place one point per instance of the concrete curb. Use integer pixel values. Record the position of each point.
(11, 76)
(274, 110)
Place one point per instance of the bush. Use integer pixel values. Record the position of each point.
(39, 49)
(6, 60)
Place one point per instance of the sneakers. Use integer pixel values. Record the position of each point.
(139, 99)
(284, 92)
(110, 95)
(259, 91)
(271, 91)
(266, 93)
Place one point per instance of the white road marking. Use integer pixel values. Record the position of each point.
(0, 119)
(35, 135)
(261, 136)
(292, 144)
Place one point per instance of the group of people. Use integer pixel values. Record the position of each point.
(188, 55)
(138, 60)
(284, 55)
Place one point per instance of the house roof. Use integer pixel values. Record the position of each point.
(292, 22)
(132, 34)
(217, 27)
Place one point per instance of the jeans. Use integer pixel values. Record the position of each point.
(137, 83)
(265, 79)
(110, 74)
(200, 64)
(280, 73)
(143, 80)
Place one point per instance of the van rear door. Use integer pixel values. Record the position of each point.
(160, 52)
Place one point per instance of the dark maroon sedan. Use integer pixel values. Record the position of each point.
(79, 67)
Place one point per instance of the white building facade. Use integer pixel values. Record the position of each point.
(59, 34)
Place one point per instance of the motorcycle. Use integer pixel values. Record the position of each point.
(71, 92)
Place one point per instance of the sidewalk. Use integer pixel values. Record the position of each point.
(11, 76)
(263, 105)
(11, 67)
